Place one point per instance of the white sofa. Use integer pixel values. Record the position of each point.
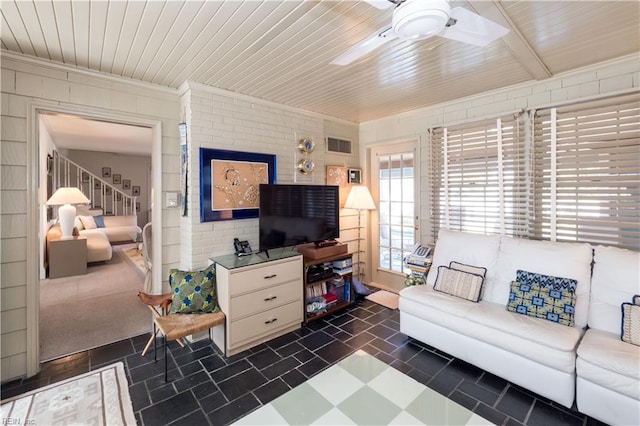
(117, 229)
(608, 369)
(534, 353)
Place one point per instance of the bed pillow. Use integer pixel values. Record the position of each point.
(631, 323)
(542, 302)
(193, 291)
(546, 281)
(459, 283)
(88, 222)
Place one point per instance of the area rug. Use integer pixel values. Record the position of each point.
(362, 390)
(384, 298)
(134, 256)
(99, 397)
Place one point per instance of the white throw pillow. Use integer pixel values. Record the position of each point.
(458, 283)
(630, 324)
(88, 222)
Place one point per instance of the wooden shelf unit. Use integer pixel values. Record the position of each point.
(348, 278)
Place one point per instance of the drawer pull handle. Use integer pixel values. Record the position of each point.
(268, 277)
(268, 299)
(271, 321)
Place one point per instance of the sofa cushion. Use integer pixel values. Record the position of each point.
(569, 260)
(616, 279)
(459, 283)
(98, 245)
(630, 323)
(465, 248)
(542, 341)
(193, 291)
(542, 302)
(606, 360)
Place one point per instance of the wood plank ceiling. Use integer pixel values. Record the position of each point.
(281, 50)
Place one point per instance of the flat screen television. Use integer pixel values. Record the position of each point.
(297, 214)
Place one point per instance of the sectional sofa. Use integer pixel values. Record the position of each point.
(577, 346)
(100, 236)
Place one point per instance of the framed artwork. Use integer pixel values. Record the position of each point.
(230, 183)
(126, 184)
(107, 190)
(137, 206)
(118, 196)
(135, 191)
(117, 179)
(106, 172)
(336, 175)
(96, 184)
(85, 177)
(355, 176)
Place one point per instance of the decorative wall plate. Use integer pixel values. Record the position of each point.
(306, 145)
(305, 166)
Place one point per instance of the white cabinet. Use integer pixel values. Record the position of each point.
(261, 297)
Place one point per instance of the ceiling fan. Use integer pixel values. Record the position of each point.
(420, 19)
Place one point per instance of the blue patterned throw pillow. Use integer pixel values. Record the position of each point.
(193, 291)
(546, 281)
(541, 302)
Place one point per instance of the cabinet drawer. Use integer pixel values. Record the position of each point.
(256, 278)
(264, 323)
(265, 299)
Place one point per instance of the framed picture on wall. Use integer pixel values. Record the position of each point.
(106, 172)
(137, 206)
(355, 176)
(107, 190)
(230, 183)
(126, 184)
(117, 179)
(135, 191)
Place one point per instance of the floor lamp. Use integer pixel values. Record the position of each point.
(359, 199)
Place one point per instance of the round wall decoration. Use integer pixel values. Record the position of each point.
(306, 145)
(305, 166)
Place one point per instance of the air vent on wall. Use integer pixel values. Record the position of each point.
(342, 146)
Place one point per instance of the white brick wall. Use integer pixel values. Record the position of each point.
(25, 81)
(222, 120)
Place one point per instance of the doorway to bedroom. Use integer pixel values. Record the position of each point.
(82, 311)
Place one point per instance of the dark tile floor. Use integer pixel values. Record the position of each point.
(207, 388)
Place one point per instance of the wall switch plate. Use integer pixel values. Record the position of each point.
(171, 199)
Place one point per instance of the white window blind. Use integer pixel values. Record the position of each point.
(479, 177)
(587, 172)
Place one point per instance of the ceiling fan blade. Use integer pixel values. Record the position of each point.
(380, 4)
(472, 28)
(366, 46)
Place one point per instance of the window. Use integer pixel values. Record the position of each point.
(480, 186)
(569, 173)
(587, 172)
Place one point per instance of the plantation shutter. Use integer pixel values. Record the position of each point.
(587, 172)
(479, 177)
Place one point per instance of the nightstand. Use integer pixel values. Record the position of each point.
(67, 257)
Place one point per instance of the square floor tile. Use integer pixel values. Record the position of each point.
(289, 407)
(368, 407)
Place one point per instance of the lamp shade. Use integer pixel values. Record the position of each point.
(359, 199)
(67, 195)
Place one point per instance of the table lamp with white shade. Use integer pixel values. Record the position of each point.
(67, 198)
(359, 199)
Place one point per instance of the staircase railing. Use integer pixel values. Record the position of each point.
(103, 195)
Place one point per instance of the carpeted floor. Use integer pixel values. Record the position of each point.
(85, 311)
(133, 255)
(362, 390)
(100, 397)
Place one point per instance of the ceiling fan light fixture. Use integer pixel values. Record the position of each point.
(419, 19)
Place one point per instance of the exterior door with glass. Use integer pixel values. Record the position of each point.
(395, 224)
